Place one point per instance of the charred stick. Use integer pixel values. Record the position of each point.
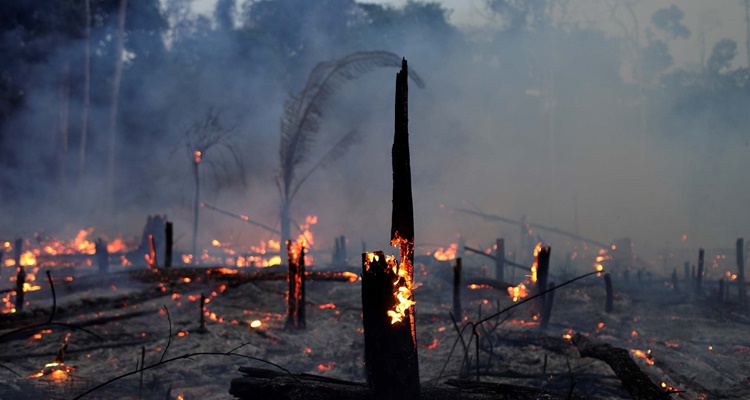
(169, 239)
(525, 268)
(500, 259)
(20, 281)
(610, 293)
(457, 309)
(202, 316)
(699, 276)
(240, 217)
(102, 255)
(741, 269)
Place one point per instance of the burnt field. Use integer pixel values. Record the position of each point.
(694, 344)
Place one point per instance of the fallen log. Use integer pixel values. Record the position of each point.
(635, 381)
(224, 274)
(258, 383)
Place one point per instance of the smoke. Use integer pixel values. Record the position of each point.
(513, 123)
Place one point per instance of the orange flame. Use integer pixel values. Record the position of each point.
(446, 254)
(535, 265)
(518, 292)
(643, 355)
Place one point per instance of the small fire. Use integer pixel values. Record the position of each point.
(197, 156)
(535, 265)
(446, 254)
(643, 355)
(403, 284)
(255, 324)
(518, 292)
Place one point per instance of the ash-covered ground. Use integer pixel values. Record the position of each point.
(693, 344)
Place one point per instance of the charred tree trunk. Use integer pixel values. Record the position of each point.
(102, 255)
(500, 260)
(390, 346)
(741, 267)
(202, 316)
(457, 309)
(699, 276)
(169, 234)
(64, 112)
(152, 261)
(610, 293)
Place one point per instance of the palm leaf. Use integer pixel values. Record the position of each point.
(303, 112)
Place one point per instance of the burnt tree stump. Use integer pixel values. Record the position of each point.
(390, 346)
(542, 272)
(295, 274)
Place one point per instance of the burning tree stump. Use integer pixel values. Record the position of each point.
(295, 295)
(542, 272)
(500, 260)
(457, 309)
(390, 344)
(699, 276)
(633, 379)
(152, 262)
(609, 305)
(741, 269)
(387, 308)
(102, 255)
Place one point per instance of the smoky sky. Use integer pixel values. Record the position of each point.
(513, 124)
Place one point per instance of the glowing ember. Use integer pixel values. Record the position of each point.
(446, 254)
(255, 324)
(197, 157)
(327, 305)
(326, 367)
(518, 292)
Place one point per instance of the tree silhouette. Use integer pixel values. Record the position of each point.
(303, 112)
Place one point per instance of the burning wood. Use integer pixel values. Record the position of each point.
(457, 309)
(295, 312)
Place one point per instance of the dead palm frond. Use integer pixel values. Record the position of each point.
(303, 113)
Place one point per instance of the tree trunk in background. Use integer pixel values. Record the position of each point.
(196, 208)
(86, 90)
(115, 96)
(63, 123)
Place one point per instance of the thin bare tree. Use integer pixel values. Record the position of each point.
(209, 133)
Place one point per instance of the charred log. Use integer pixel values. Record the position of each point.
(258, 383)
(633, 379)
